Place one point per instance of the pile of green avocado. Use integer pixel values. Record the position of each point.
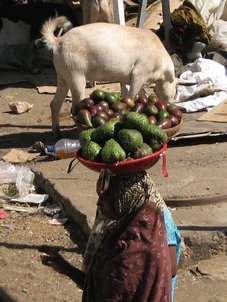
(120, 139)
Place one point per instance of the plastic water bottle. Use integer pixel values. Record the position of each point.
(64, 148)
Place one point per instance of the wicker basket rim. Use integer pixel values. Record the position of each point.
(175, 128)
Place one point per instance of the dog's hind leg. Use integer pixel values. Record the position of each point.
(56, 103)
(77, 87)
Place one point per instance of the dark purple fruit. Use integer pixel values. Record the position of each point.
(130, 103)
(98, 121)
(99, 108)
(152, 99)
(170, 106)
(103, 115)
(84, 117)
(118, 107)
(174, 120)
(139, 107)
(160, 105)
(164, 123)
(152, 120)
(84, 104)
(151, 110)
(87, 102)
(117, 115)
(108, 111)
(143, 99)
(93, 110)
(104, 104)
(176, 112)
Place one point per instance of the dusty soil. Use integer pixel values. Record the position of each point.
(26, 279)
(22, 274)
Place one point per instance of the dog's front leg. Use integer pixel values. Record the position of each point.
(124, 89)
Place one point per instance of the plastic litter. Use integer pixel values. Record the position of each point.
(52, 210)
(3, 214)
(57, 221)
(32, 198)
(64, 148)
(15, 180)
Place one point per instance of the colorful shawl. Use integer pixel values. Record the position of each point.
(127, 259)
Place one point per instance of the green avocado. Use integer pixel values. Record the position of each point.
(97, 95)
(111, 98)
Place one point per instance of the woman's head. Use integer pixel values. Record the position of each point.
(122, 194)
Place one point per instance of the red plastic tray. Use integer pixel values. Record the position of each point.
(128, 166)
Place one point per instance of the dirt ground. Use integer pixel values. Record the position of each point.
(22, 274)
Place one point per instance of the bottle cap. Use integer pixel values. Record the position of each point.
(50, 148)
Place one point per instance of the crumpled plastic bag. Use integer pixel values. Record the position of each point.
(15, 180)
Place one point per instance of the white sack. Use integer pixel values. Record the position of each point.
(210, 10)
(202, 71)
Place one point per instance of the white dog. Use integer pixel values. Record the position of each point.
(107, 52)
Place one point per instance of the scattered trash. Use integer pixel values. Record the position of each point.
(3, 214)
(64, 148)
(18, 156)
(20, 107)
(32, 198)
(38, 147)
(8, 226)
(57, 221)
(8, 190)
(52, 210)
(14, 178)
(14, 208)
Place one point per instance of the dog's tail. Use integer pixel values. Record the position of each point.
(53, 29)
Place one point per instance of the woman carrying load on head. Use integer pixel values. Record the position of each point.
(140, 189)
(127, 256)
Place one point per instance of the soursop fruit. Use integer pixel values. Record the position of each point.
(143, 151)
(85, 135)
(155, 137)
(91, 151)
(106, 131)
(112, 152)
(155, 145)
(135, 120)
(130, 139)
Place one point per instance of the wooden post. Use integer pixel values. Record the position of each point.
(119, 12)
(166, 20)
(141, 13)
